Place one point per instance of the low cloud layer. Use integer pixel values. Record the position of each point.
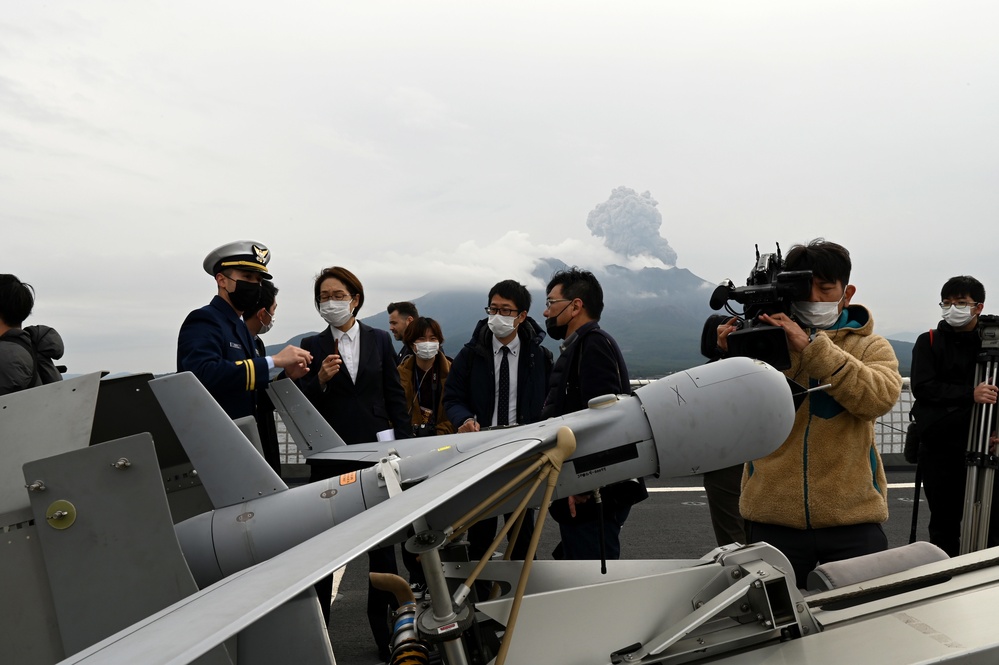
(629, 224)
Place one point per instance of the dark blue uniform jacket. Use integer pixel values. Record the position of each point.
(215, 345)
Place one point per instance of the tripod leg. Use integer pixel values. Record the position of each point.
(981, 465)
(915, 503)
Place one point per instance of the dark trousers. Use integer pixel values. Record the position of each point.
(808, 548)
(412, 564)
(723, 487)
(581, 540)
(380, 560)
(945, 475)
(380, 603)
(482, 533)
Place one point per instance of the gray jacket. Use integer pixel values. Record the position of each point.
(18, 368)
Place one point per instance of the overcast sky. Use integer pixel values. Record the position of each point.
(438, 144)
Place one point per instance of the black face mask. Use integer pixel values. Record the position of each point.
(554, 330)
(245, 296)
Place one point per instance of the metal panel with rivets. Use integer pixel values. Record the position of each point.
(107, 539)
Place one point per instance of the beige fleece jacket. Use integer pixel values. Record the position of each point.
(828, 471)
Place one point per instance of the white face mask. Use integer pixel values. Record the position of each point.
(264, 327)
(501, 326)
(957, 316)
(426, 350)
(335, 312)
(816, 314)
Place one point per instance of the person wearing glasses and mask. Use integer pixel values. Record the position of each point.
(591, 365)
(214, 342)
(944, 363)
(822, 495)
(353, 382)
(499, 378)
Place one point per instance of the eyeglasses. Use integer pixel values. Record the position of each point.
(960, 305)
(503, 311)
(551, 301)
(326, 297)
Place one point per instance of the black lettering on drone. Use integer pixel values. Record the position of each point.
(606, 458)
(590, 473)
(679, 398)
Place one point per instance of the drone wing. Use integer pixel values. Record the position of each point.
(191, 627)
(308, 429)
(214, 443)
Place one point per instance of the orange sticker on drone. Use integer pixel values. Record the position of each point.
(348, 478)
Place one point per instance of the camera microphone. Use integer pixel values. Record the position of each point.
(721, 294)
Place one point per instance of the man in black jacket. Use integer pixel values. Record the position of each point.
(591, 365)
(480, 392)
(258, 321)
(944, 361)
(401, 314)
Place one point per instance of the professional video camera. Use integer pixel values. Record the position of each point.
(770, 289)
(988, 330)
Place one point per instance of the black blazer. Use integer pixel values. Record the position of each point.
(359, 407)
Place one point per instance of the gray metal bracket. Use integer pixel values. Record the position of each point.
(107, 537)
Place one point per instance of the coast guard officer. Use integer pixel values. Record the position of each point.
(214, 342)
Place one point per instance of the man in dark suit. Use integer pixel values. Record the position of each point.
(354, 382)
(214, 342)
(591, 365)
(401, 314)
(260, 320)
(480, 392)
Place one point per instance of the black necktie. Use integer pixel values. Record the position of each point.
(503, 405)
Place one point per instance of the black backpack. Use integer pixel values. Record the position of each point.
(54, 372)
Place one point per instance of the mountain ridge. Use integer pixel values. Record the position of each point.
(655, 314)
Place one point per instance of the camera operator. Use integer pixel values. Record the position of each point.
(943, 383)
(822, 495)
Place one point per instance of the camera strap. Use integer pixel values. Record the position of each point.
(418, 382)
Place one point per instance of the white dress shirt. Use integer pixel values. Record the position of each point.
(349, 344)
(513, 364)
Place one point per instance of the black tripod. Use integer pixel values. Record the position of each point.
(981, 461)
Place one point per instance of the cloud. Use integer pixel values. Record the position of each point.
(629, 224)
(470, 265)
(420, 109)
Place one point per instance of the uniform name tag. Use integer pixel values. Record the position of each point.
(234, 345)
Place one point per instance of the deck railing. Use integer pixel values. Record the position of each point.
(889, 431)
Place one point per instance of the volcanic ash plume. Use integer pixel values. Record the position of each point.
(629, 224)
